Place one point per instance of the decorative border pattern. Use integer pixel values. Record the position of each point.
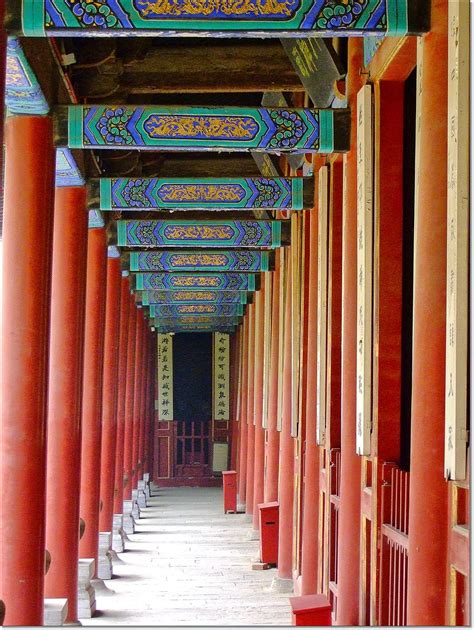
(247, 261)
(23, 94)
(187, 281)
(96, 220)
(273, 130)
(197, 320)
(201, 194)
(216, 310)
(192, 297)
(67, 171)
(232, 233)
(324, 18)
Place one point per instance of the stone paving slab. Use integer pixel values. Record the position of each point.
(190, 564)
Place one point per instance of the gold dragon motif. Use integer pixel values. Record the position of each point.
(217, 127)
(198, 8)
(201, 192)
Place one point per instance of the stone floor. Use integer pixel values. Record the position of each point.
(190, 564)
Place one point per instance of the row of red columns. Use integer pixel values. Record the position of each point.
(428, 488)
(76, 381)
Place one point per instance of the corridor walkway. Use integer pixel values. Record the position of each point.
(190, 564)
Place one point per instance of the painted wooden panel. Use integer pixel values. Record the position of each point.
(148, 298)
(164, 471)
(175, 310)
(240, 260)
(320, 18)
(23, 94)
(217, 233)
(188, 281)
(323, 239)
(210, 193)
(165, 377)
(220, 455)
(457, 290)
(365, 220)
(221, 376)
(181, 128)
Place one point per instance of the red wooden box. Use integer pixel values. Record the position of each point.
(311, 610)
(269, 518)
(229, 482)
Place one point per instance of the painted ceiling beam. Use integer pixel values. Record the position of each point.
(200, 310)
(210, 193)
(150, 297)
(205, 328)
(219, 233)
(186, 320)
(184, 260)
(187, 128)
(192, 281)
(259, 18)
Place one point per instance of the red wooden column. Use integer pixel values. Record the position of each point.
(287, 455)
(138, 395)
(309, 564)
(110, 390)
(26, 277)
(92, 391)
(68, 292)
(272, 446)
(250, 411)
(242, 469)
(428, 526)
(145, 401)
(129, 395)
(122, 377)
(349, 511)
(259, 463)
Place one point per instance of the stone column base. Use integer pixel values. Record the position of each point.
(135, 506)
(85, 591)
(141, 494)
(128, 522)
(281, 585)
(254, 535)
(117, 534)
(55, 611)
(104, 570)
(240, 508)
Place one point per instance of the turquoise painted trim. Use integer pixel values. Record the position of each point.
(96, 220)
(121, 233)
(105, 193)
(397, 17)
(297, 193)
(134, 261)
(74, 119)
(251, 286)
(265, 261)
(33, 18)
(139, 282)
(326, 131)
(276, 233)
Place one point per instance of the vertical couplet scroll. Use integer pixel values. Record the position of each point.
(165, 377)
(365, 222)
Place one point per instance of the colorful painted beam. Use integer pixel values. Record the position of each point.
(185, 128)
(210, 193)
(148, 298)
(211, 310)
(187, 281)
(193, 320)
(231, 233)
(260, 18)
(243, 261)
(205, 328)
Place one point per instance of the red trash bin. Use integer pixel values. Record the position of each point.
(229, 483)
(269, 521)
(311, 610)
